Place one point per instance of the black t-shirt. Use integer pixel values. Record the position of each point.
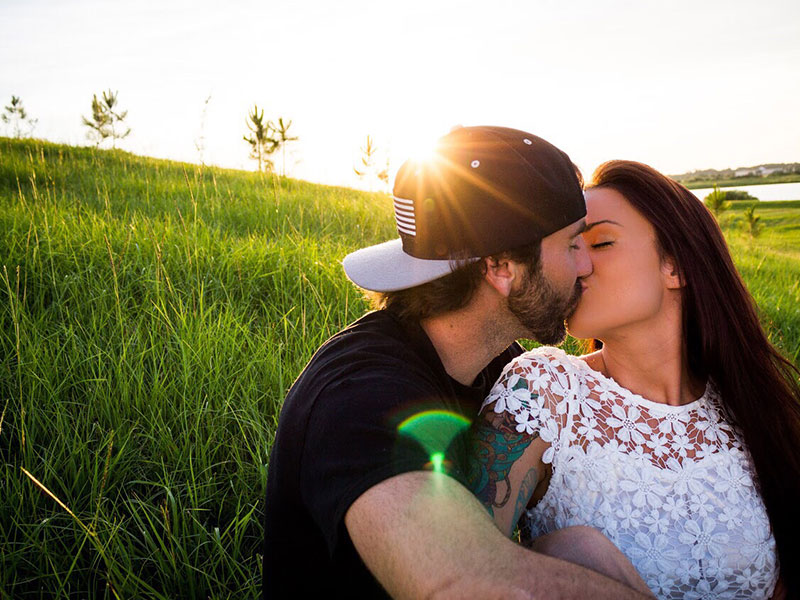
(373, 402)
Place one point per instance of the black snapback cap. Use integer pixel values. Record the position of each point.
(484, 190)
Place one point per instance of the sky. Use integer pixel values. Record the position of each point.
(680, 85)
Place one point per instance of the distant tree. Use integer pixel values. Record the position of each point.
(106, 120)
(369, 163)
(200, 140)
(383, 174)
(282, 133)
(367, 159)
(261, 140)
(753, 221)
(15, 116)
(739, 195)
(716, 202)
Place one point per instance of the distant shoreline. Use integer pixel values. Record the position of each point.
(740, 205)
(740, 181)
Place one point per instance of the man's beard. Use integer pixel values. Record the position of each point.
(540, 308)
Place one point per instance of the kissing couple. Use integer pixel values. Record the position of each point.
(423, 453)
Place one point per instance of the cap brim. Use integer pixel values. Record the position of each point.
(386, 268)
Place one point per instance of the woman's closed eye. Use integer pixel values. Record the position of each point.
(602, 244)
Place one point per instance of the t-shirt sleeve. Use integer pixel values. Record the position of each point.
(536, 390)
(354, 442)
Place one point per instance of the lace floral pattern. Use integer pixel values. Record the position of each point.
(672, 486)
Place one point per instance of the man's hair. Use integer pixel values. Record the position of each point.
(451, 292)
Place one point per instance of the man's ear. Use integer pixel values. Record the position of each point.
(501, 273)
(672, 274)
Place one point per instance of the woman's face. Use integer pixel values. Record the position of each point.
(630, 283)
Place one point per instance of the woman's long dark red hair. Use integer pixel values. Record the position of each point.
(724, 341)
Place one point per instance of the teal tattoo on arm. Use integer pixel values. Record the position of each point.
(495, 447)
(525, 492)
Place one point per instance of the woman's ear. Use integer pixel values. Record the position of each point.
(671, 273)
(501, 272)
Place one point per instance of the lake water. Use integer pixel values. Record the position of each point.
(769, 191)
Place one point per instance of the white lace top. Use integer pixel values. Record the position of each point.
(672, 486)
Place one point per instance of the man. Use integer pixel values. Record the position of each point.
(366, 493)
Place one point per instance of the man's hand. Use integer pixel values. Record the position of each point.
(423, 535)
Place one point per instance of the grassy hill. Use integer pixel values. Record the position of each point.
(152, 316)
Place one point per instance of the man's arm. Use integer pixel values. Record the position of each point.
(505, 467)
(423, 535)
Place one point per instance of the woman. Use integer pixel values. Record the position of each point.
(678, 439)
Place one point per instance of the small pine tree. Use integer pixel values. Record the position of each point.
(716, 202)
(367, 159)
(106, 120)
(17, 118)
(282, 132)
(383, 174)
(753, 221)
(200, 140)
(261, 141)
(369, 166)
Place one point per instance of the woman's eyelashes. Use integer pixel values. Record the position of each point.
(602, 244)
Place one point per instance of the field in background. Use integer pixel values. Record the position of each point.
(152, 317)
(770, 266)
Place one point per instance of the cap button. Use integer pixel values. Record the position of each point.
(475, 164)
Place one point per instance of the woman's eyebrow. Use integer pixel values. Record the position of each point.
(590, 225)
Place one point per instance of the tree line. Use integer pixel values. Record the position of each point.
(106, 123)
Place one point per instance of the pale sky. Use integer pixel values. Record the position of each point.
(679, 84)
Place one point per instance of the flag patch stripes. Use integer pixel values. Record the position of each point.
(404, 216)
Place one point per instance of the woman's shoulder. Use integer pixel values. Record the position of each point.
(540, 384)
(544, 366)
(549, 357)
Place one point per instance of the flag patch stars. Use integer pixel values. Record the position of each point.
(404, 215)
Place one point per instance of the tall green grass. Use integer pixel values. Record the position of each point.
(152, 316)
(770, 266)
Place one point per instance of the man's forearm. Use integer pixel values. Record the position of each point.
(529, 574)
(422, 534)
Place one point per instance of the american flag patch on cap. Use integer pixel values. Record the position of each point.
(404, 215)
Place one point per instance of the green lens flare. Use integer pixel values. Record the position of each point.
(437, 460)
(434, 430)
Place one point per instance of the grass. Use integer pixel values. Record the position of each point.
(152, 316)
(770, 265)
